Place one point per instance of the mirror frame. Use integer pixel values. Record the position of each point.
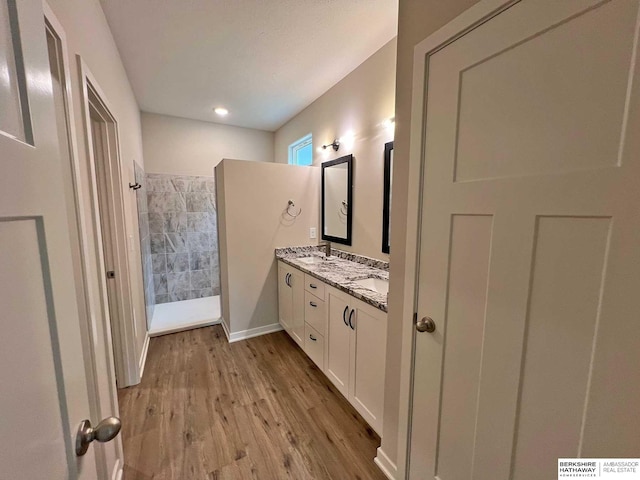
(348, 159)
(386, 205)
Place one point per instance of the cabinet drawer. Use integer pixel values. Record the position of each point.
(315, 312)
(314, 346)
(313, 285)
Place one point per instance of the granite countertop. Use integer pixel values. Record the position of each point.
(340, 270)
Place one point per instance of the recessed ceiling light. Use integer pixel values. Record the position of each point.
(221, 111)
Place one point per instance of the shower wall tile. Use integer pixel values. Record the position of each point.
(200, 261)
(176, 242)
(214, 245)
(181, 183)
(205, 292)
(197, 222)
(157, 202)
(159, 183)
(159, 263)
(200, 279)
(199, 242)
(212, 223)
(180, 296)
(183, 239)
(178, 282)
(215, 281)
(203, 184)
(157, 243)
(167, 202)
(162, 299)
(160, 284)
(200, 202)
(177, 262)
(156, 223)
(175, 222)
(144, 228)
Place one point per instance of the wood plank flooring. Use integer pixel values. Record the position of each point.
(255, 409)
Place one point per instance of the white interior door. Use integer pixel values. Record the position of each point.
(530, 244)
(42, 366)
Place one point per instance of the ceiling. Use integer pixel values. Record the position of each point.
(264, 60)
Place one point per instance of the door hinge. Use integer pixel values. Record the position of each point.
(111, 274)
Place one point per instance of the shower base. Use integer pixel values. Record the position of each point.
(185, 315)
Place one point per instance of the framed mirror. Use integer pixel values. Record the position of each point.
(386, 206)
(337, 198)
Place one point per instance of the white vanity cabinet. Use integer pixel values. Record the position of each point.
(356, 353)
(344, 336)
(291, 302)
(315, 320)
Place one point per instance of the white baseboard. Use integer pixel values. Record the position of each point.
(225, 328)
(387, 466)
(143, 356)
(117, 471)
(252, 332)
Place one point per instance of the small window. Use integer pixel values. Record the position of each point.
(301, 151)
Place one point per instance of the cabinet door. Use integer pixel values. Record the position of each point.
(296, 280)
(368, 353)
(338, 340)
(285, 305)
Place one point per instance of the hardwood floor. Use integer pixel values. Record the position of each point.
(255, 409)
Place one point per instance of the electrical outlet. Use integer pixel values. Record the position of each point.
(312, 232)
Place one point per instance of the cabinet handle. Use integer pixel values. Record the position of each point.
(351, 315)
(313, 285)
(286, 279)
(344, 315)
(313, 338)
(313, 304)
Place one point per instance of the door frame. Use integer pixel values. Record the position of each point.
(468, 20)
(121, 335)
(96, 317)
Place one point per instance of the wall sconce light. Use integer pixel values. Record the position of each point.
(335, 144)
(389, 123)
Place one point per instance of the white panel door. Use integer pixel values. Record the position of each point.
(530, 244)
(42, 368)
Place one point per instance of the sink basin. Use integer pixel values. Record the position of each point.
(375, 284)
(311, 260)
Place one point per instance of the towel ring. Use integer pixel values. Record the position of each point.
(344, 209)
(288, 211)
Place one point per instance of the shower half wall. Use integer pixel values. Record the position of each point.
(183, 239)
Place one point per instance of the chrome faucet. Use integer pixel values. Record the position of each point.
(327, 248)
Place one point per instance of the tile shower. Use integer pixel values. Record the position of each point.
(183, 237)
(145, 242)
(179, 250)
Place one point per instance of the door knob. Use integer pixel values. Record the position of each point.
(105, 431)
(426, 324)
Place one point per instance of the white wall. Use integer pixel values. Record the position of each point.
(191, 147)
(88, 35)
(252, 198)
(359, 103)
